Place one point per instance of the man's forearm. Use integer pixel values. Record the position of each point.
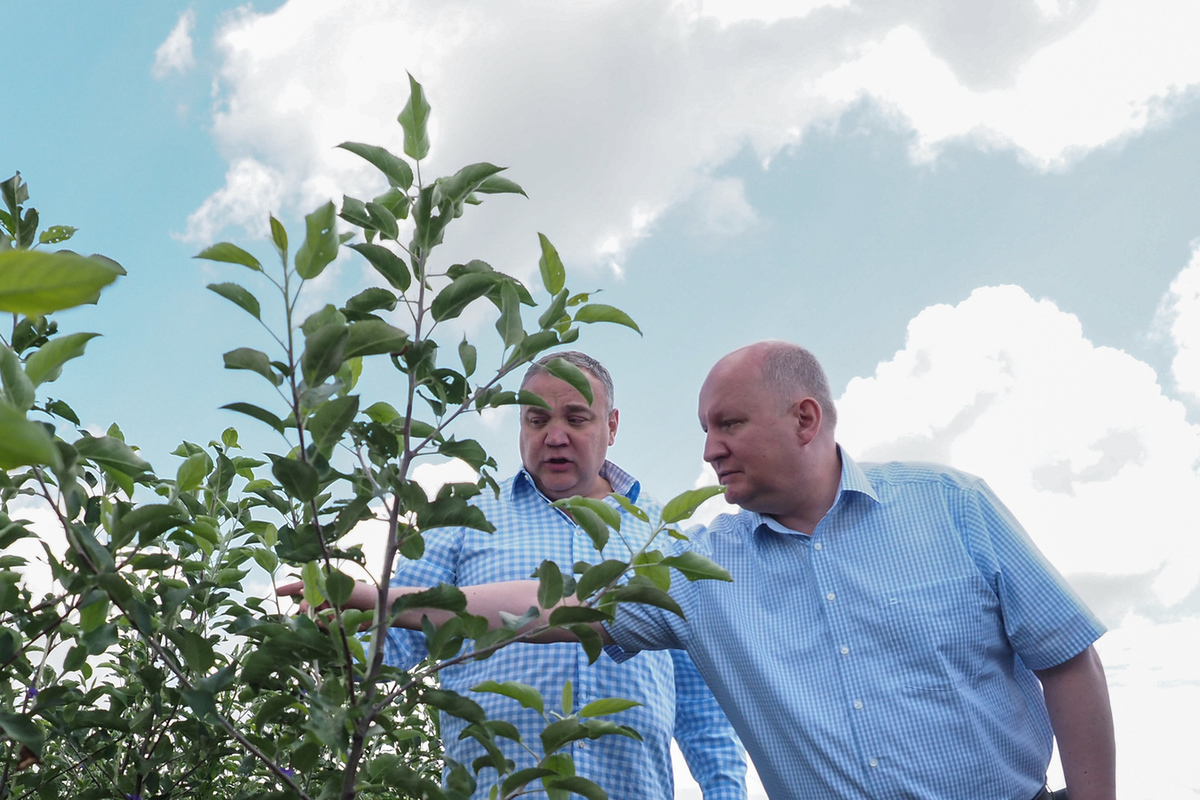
(486, 600)
(1077, 699)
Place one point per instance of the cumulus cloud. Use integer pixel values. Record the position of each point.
(1179, 314)
(1079, 440)
(611, 113)
(1051, 79)
(175, 53)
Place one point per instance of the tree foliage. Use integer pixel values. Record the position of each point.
(154, 668)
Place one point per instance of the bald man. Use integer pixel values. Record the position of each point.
(890, 630)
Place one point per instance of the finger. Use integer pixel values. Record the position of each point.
(292, 589)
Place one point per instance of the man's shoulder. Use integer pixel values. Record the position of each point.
(918, 474)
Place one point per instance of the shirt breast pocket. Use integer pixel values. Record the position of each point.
(937, 631)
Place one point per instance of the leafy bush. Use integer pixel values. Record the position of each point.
(151, 670)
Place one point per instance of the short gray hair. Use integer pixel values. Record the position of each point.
(790, 370)
(581, 360)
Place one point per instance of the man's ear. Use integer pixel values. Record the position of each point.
(807, 416)
(613, 419)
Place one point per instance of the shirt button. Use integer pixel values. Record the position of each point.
(817, 546)
(858, 704)
(874, 762)
(844, 650)
(830, 596)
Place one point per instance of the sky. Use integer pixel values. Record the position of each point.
(981, 216)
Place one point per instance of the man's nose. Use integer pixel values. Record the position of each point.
(714, 448)
(556, 436)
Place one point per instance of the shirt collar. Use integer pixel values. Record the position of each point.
(622, 482)
(853, 480)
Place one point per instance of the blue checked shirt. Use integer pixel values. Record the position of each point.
(675, 701)
(888, 655)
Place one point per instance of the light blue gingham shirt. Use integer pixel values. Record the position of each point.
(887, 655)
(675, 701)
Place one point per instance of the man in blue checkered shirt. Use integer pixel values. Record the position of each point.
(890, 632)
(563, 450)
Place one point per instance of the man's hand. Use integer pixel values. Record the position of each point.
(362, 597)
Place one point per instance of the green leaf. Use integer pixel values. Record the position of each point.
(34, 283)
(554, 312)
(108, 451)
(386, 263)
(338, 586)
(611, 517)
(467, 354)
(589, 640)
(382, 220)
(683, 505)
(372, 337)
(279, 239)
(592, 524)
(324, 352)
(230, 254)
(238, 296)
(253, 360)
(462, 291)
(320, 242)
(646, 595)
(396, 169)
(575, 615)
(455, 189)
(260, 414)
(414, 119)
(598, 576)
(566, 371)
(521, 778)
(17, 386)
(554, 274)
(497, 184)
(695, 567)
(509, 324)
(625, 503)
(331, 421)
(550, 584)
(56, 234)
(524, 694)
(45, 365)
(298, 478)
(598, 312)
(575, 785)
(455, 705)
(23, 729)
(374, 298)
(605, 706)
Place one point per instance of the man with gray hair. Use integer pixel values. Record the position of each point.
(564, 453)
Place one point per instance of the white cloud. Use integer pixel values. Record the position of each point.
(1052, 85)
(1180, 315)
(252, 190)
(175, 53)
(1079, 440)
(611, 113)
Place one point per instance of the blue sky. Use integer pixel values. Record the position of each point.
(982, 216)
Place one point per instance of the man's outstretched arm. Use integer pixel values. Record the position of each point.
(486, 600)
(1077, 699)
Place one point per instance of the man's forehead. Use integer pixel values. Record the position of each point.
(558, 392)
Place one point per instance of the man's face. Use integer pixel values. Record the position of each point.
(563, 447)
(751, 440)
